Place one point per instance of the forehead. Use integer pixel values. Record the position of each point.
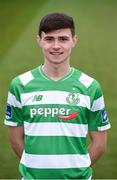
(57, 33)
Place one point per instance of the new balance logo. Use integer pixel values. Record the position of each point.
(37, 98)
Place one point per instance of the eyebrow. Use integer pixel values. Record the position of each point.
(64, 36)
(48, 37)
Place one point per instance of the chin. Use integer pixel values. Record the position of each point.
(57, 62)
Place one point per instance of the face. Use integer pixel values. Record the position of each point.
(57, 45)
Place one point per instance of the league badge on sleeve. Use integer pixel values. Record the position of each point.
(8, 112)
(104, 115)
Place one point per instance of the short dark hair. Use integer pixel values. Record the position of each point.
(55, 21)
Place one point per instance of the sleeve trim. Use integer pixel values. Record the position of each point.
(9, 123)
(103, 128)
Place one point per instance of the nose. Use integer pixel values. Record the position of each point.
(56, 45)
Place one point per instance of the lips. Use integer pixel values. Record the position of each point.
(56, 53)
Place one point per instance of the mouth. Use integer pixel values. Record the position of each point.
(56, 53)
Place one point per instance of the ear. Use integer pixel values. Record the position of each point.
(75, 40)
(38, 40)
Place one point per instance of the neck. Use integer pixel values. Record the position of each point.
(56, 71)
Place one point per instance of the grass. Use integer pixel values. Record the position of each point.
(96, 53)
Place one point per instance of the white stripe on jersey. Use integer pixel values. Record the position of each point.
(13, 101)
(53, 97)
(55, 161)
(55, 129)
(98, 104)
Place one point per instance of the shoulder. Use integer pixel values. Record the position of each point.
(86, 80)
(21, 82)
(88, 83)
(24, 78)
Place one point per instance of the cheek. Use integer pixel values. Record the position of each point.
(45, 48)
(45, 45)
(68, 46)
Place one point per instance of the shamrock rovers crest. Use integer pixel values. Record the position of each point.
(73, 98)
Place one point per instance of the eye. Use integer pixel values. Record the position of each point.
(48, 39)
(63, 39)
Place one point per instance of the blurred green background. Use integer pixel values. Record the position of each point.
(96, 55)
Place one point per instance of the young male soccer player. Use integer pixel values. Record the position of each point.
(52, 108)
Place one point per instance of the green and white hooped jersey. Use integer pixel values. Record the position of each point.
(56, 116)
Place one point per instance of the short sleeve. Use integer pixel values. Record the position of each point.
(13, 115)
(98, 119)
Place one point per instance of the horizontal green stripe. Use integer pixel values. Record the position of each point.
(70, 173)
(80, 119)
(55, 145)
